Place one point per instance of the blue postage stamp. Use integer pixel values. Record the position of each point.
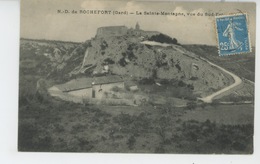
(233, 35)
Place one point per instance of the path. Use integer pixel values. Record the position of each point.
(209, 98)
(238, 81)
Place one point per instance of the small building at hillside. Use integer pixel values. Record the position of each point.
(101, 85)
(95, 87)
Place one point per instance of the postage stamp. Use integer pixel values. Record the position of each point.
(232, 34)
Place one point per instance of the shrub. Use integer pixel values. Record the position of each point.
(178, 67)
(147, 81)
(191, 105)
(117, 89)
(123, 119)
(181, 84)
(26, 134)
(131, 142)
(84, 144)
(194, 78)
(160, 63)
(77, 128)
(159, 149)
(59, 128)
(208, 137)
(190, 86)
(104, 45)
(109, 61)
(122, 62)
(129, 52)
(163, 39)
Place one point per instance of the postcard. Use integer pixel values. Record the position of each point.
(137, 77)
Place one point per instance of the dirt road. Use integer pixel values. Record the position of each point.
(209, 98)
(238, 81)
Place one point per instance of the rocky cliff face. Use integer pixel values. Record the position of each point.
(128, 56)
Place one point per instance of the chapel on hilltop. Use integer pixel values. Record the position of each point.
(109, 31)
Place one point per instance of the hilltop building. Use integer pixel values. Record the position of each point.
(137, 26)
(109, 31)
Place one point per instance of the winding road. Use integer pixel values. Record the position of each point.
(238, 81)
(209, 98)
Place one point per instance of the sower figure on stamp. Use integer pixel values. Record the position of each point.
(230, 33)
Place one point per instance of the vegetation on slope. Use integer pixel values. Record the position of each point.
(49, 124)
(161, 38)
(240, 64)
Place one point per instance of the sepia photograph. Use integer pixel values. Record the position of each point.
(136, 77)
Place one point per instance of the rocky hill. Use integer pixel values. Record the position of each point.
(44, 57)
(131, 55)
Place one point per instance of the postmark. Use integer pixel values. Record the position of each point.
(232, 34)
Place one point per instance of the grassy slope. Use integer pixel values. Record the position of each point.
(48, 124)
(242, 65)
(241, 114)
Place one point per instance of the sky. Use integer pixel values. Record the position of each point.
(40, 20)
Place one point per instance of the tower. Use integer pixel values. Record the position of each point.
(137, 26)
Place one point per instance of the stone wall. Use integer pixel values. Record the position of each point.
(122, 30)
(87, 92)
(111, 31)
(101, 89)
